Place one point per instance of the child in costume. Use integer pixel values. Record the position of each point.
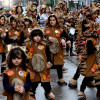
(19, 12)
(2, 37)
(40, 63)
(88, 18)
(91, 68)
(56, 38)
(14, 36)
(16, 79)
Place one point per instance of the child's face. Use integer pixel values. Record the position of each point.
(94, 15)
(36, 38)
(19, 9)
(17, 61)
(2, 20)
(26, 23)
(14, 24)
(47, 10)
(52, 21)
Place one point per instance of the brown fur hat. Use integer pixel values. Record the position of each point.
(54, 46)
(38, 63)
(93, 10)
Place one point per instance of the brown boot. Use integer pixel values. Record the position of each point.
(72, 83)
(64, 68)
(62, 82)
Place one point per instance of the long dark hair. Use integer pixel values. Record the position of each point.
(17, 8)
(90, 47)
(57, 23)
(15, 53)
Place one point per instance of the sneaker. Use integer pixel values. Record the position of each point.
(81, 94)
(62, 82)
(50, 96)
(72, 83)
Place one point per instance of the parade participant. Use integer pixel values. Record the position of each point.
(43, 16)
(56, 40)
(59, 14)
(28, 11)
(14, 36)
(34, 5)
(68, 42)
(91, 18)
(62, 7)
(40, 63)
(27, 28)
(48, 12)
(35, 17)
(21, 25)
(13, 11)
(71, 37)
(91, 68)
(19, 12)
(16, 79)
(2, 36)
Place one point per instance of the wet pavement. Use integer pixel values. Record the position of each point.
(63, 92)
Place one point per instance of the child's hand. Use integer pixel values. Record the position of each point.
(15, 38)
(48, 65)
(21, 89)
(69, 44)
(3, 35)
(63, 42)
(51, 39)
(16, 88)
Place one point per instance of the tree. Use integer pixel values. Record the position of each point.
(50, 3)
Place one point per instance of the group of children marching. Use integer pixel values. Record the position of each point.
(36, 43)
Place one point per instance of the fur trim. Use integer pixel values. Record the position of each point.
(62, 80)
(18, 96)
(81, 94)
(49, 63)
(54, 46)
(64, 68)
(72, 82)
(51, 96)
(94, 10)
(38, 63)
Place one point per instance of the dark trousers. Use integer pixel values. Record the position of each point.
(45, 85)
(3, 59)
(59, 70)
(77, 74)
(85, 83)
(71, 48)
